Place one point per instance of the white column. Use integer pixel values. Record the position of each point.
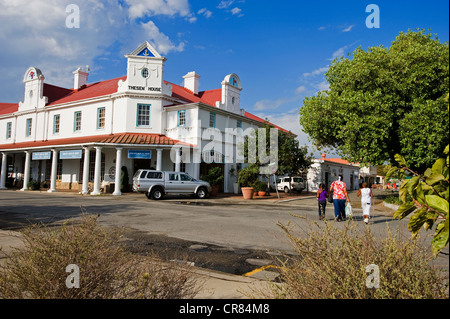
(54, 171)
(85, 188)
(3, 171)
(26, 173)
(159, 159)
(178, 160)
(118, 171)
(98, 168)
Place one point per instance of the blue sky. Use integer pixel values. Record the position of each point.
(279, 49)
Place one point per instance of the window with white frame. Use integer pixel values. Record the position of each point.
(28, 127)
(212, 119)
(56, 123)
(143, 115)
(182, 118)
(8, 130)
(101, 118)
(77, 121)
(239, 124)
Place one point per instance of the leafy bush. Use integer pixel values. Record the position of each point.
(214, 176)
(393, 199)
(38, 270)
(248, 176)
(332, 261)
(426, 197)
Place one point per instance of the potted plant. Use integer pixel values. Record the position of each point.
(261, 188)
(214, 178)
(247, 178)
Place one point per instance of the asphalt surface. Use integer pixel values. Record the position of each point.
(227, 234)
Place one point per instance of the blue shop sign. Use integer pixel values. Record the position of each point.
(41, 155)
(145, 154)
(73, 154)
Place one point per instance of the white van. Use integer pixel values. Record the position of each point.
(289, 184)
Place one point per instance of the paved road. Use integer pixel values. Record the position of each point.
(220, 222)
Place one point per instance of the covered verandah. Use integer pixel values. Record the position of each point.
(81, 148)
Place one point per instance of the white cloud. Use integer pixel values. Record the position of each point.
(324, 85)
(34, 33)
(225, 4)
(205, 12)
(236, 11)
(316, 72)
(141, 8)
(321, 28)
(300, 89)
(349, 28)
(161, 41)
(270, 104)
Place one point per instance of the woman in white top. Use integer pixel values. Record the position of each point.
(366, 200)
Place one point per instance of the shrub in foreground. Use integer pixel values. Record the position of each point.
(106, 270)
(332, 261)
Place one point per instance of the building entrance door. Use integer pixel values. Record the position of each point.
(141, 163)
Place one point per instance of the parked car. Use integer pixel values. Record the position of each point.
(156, 184)
(288, 184)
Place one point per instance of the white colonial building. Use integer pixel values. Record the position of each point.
(326, 170)
(79, 138)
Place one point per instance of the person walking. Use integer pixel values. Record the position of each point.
(366, 201)
(340, 195)
(322, 195)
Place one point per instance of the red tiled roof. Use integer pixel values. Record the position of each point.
(337, 161)
(58, 95)
(91, 90)
(119, 138)
(7, 108)
(208, 97)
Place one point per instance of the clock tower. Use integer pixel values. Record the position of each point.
(145, 71)
(34, 89)
(231, 94)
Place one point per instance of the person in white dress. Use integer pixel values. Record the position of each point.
(366, 201)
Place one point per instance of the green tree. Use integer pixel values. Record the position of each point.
(292, 158)
(385, 101)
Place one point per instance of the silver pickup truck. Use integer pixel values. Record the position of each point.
(156, 184)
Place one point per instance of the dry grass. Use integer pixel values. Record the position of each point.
(38, 270)
(332, 261)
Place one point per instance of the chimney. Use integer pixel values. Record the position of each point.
(80, 78)
(323, 156)
(191, 81)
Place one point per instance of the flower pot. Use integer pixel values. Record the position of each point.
(261, 193)
(247, 192)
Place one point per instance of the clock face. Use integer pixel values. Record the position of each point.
(234, 82)
(31, 75)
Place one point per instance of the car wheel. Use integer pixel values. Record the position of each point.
(286, 189)
(157, 193)
(202, 193)
(300, 190)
